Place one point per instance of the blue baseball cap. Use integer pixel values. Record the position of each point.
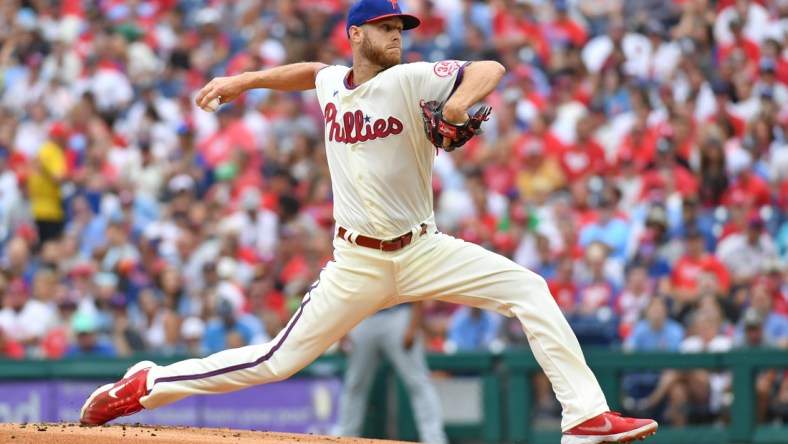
(365, 11)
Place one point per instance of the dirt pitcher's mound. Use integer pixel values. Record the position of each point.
(70, 433)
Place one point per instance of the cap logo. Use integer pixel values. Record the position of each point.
(393, 4)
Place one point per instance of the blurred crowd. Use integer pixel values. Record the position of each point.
(637, 158)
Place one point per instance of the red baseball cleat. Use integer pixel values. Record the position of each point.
(609, 427)
(122, 398)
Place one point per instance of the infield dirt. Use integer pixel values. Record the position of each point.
(70, 433)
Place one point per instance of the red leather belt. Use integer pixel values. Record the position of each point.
(389, 245)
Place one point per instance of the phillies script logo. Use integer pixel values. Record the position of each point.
(355, 127)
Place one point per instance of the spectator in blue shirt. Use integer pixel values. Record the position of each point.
(472, 329)
(781, 239)
(469, 14)
(656, 332)
(89, 342)
(693, 217)
(775, 325)
(88, 227)
(218, 330)
(646, 256)
(608, 229)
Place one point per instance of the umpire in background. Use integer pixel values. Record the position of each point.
(396, 334)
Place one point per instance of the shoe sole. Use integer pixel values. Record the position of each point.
(106, 387)
(630, 436)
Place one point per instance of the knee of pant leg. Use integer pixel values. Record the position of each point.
(359, 383)
(281, 374)
(416, 381)
(531, 288)
(538, 283)
(528, 281)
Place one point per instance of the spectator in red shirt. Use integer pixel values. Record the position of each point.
(668, 172)
(585, 157)
(231, 135)
(499, 174)
(690, 265)
(338, 40)
(640, 144)
(633, 300)
(773, 271)
(9, 348)
(739, 212)
(722, 116)
(431, 25)
(540, 129)
(753, 189)
(481, 226)
(563, 30)
(722, 4)
(582, 211)
(627, 179)
(515, 28)
(682, 133)
(740, 43)
(562, 286)
(531, 102)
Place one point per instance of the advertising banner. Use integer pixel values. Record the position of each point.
(298, 405)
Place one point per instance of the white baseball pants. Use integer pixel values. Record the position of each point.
(359, 282)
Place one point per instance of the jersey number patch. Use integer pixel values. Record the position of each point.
(446, 68)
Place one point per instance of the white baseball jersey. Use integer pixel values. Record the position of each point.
(379, 158)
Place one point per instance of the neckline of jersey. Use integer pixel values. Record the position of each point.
(347, 80)
(348, 77)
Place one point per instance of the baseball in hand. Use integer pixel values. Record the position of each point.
(212, 105)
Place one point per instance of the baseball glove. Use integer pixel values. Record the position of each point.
(439, 129)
